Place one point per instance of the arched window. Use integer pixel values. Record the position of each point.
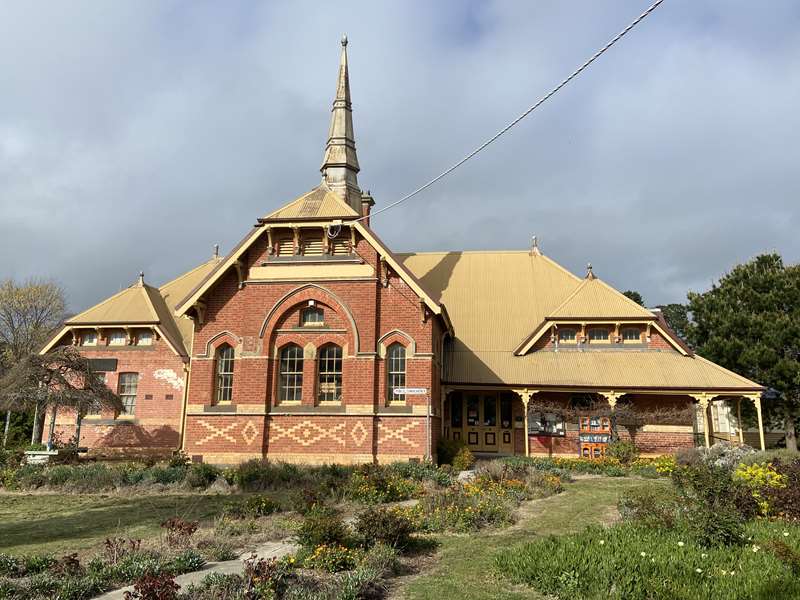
(330, 374)
(290, 383)
(223, 385)
(395, 371)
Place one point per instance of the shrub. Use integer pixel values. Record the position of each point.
(304, 500)
(446, 450)
(114, 549)
(725, 455)
(759, 478)
(331, 558)
(266, 578)
(322, 527)
(463, 460)
(381, 526)
(720, 525)
(376, 484)
(165, 475)
(785, 501)
(154, 587)
(458, 509)
(179, 531)
(217, 551)
(187, 561)
(201, 475)
(179, 459)
(253, 506)
(624, 451)
(422, 471)
(654, 506)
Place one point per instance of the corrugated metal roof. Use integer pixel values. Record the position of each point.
(319, 203)
(608, 369)
(595, 298)
(131, 305)
(496, 299)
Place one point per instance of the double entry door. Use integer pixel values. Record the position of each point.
(484, 421)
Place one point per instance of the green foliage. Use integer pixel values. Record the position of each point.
(331, 558)
(446, 450)
(749, 322)
(252, 507)
(422, 471)
(200, 475)
(632, 562)
(463, 460)
(180, 459)
(382, 526)
(323, 526)
(624, 451)
(653, 507)
(784, 501)
(261, 475)
(677, 317)
(375, 484)
(635, 296)
(154, 587)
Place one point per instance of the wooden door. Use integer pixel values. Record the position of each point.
(456, 416)
(472, 422)
(506, 424)
(490, 435)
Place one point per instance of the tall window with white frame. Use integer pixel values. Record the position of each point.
(126, 388)
(395, 371)
(223, 385)
(290, 380)
(329, 387)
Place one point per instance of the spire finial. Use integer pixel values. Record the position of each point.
(535, 246)
(340, 163)
(141, 277)
(216, 251)
(589, 272)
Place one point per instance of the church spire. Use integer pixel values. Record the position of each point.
(340, 164)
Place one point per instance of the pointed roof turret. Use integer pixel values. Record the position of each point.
(340, 164)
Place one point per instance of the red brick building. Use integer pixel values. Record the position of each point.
(312, 342)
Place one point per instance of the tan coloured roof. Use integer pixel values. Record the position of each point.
(142, 304)
(131, 305)
(595, 298)
(494, 299)
(319, 203)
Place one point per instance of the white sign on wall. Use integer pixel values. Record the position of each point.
(409, 391)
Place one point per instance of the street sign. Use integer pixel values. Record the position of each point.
(409, 391)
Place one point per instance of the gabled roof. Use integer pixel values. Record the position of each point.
(319, 203)
(495, 297)
(143, 304)
(594, 298)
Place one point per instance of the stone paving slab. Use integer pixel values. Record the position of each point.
(228, 567)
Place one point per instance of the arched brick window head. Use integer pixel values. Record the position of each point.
(223, 385)
(395, 371)
(330, 374)
(290, 381)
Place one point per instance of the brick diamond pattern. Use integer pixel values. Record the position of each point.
(216, 432)
(307, 433)
(385, 433)
(249, 433)
(359, 433)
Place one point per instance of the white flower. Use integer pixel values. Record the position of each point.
(756, 548)
(642, 553)
(699, 570)
(602, 542)
(723, 571)
(785, 534)
(652, 560)
(704, 555)
(733, 572)
(681, 544)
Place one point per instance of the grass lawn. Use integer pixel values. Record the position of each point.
(61, 523)
(465, 563)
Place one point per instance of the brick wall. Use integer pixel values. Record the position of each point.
(156, 421)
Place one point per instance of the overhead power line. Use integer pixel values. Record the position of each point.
(533, 107)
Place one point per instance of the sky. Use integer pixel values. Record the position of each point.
(134, 135)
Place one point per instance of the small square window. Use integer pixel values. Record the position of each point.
(89, 338)
(598, 334)
(145, 338)
(567, 336)
(117, 338)
(631, 335)
(312, 317)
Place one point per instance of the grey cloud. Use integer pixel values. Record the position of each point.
(135, 135)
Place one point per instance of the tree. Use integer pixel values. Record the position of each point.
(635, 296)
(677, 317)
(29, 312)
(749, 322)
(61, 378)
